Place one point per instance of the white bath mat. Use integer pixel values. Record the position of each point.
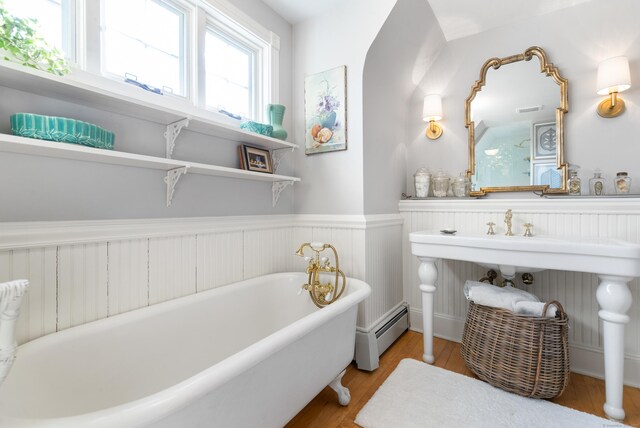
(420, 395)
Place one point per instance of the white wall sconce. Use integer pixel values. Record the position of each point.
(613, 77)
(432, 112)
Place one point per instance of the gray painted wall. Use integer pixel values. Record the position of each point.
(38, 188)
(332, 183)
(576, 40)
(405, 47)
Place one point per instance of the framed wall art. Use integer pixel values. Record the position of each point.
(325, 111)
(546, 173)
(544, 140)
(255, 159)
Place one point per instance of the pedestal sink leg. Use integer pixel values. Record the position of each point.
(428, 273)
(614, 298)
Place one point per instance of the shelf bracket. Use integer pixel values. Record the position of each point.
(276, 188)
(277, 155)
(173, 175)
(172, 132)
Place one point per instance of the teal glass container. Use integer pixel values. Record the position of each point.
(258, 128)
(275, 116)
(62, 130)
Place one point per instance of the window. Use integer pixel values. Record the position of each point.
(239, 61)
(230, 74)
(207, 51)
(56, 21)
(146, 38)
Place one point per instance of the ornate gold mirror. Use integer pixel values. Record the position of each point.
(515, 119)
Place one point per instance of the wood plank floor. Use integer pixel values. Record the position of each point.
(583, 393)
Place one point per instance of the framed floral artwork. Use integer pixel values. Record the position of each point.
(325, 111)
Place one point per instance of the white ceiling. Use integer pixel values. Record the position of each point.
(457, 18)
(461, 18)
(296, 11)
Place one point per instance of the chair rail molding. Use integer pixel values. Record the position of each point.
(17, 235)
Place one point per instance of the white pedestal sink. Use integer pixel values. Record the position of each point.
(615, 262)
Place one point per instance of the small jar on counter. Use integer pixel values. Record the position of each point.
(623, 183)
(574, 184)
(422, 182)
(440, 184)
(597, 184)
(460, 186)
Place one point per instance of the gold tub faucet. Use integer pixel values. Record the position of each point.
(322, 294)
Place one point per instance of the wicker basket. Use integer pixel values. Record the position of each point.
(526, 355)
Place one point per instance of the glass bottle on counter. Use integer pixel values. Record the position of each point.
(597, 184)
(623, 183)
(422, 182)
(574, 184)
(460, 186)
(440, 184)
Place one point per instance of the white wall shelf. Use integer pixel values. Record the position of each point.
(122, 98)
(174, 168)
(174, 112)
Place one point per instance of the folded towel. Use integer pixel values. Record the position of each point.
(512, 299)
(535, 309)
(497, 297)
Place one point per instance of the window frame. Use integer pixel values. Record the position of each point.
(198, 15)
(254, 52)
(185, 29)
(233, 24)
(70, 29)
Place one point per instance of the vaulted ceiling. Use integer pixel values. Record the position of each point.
(457, 18)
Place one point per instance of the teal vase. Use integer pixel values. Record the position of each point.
(275, 114)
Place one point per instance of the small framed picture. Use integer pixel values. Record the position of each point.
(546, 173)
(255, 159)
(544, 137)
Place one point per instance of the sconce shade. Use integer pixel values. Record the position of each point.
(613, 75)
(432, 108)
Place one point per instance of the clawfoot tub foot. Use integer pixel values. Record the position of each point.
(344, 397)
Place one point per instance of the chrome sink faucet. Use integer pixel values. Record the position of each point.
(507, 219)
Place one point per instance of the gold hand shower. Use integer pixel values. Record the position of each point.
(322, 294)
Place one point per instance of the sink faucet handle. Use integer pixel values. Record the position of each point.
(528, 227)
(491, 231)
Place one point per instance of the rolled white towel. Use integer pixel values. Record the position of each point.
(497, 297)
(535, 309)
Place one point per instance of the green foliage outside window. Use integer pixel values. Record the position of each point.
(20, 42)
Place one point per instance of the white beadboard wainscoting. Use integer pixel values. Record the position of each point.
(581, 217)
(86, 270)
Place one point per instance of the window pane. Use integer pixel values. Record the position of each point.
(229, 76)
(48, 13)
(145, 38)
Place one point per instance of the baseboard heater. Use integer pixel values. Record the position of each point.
(371, 344)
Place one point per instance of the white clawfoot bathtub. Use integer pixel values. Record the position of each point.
(248, 354)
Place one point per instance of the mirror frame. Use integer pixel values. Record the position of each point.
(551, 71)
